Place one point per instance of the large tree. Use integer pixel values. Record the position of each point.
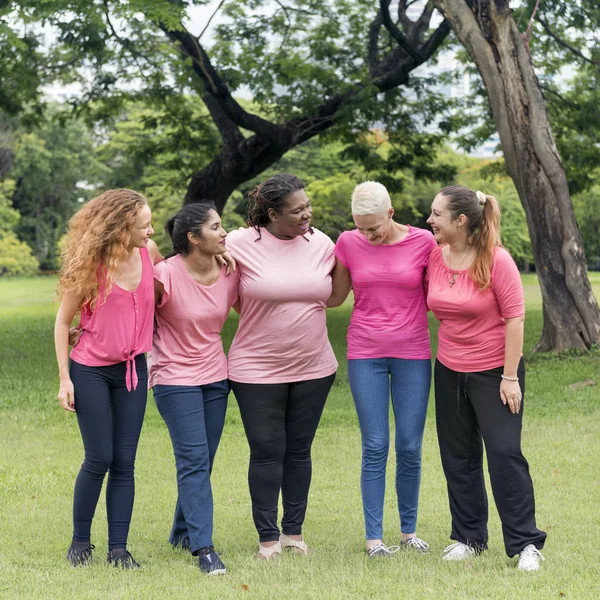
(311, 65)
(500, 51)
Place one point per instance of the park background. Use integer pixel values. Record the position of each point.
(97, 94)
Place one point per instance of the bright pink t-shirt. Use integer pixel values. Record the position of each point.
(120, 327)
(389, 318)
(284, 287)
(187, 347)
(471, 336)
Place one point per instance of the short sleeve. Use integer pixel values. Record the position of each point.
(341, 249)
(232, 241)
(507, 286)
(162, 274)
(233, 282)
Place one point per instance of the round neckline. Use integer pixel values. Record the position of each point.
(284, 240)
(408, 234)
(450, 270)
(206, 287)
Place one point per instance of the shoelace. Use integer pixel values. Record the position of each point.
(384, 548)
(451, 547)
(418, 543)
(532, 552)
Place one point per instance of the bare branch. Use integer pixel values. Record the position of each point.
(535, 9)
(395, 32)
(211, 18)
(565, 44)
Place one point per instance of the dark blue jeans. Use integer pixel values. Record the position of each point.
(110, 420)
(371, 381)
(195, 416)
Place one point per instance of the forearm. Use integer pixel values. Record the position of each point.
(61, 345)
(513, 345)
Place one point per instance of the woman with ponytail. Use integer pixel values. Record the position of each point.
(475, 292)
(189, 369)
(106, 275)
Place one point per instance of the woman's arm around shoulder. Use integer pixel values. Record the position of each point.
(341, 285)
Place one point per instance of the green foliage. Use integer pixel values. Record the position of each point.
(16, 257)
(9, 217)
(587, 211)
(330, 200)
(56, 169)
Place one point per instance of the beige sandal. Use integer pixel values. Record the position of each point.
(298, 546)
(269, 552)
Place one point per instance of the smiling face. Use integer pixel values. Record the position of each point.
(141, 230)
(375, 227)
(294, 218)
(443, 226)
(212, 240)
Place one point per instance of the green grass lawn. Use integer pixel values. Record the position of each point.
(41, 452)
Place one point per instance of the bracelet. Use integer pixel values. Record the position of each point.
(509, 378)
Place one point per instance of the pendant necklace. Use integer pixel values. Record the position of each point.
(454, 276)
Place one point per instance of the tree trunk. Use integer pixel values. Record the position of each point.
(488, 32)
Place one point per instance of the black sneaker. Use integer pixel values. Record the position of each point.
(80, 556)
(210, 562)
(122, 558)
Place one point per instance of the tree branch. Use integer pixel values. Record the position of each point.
(396, 34)
(211, 18)
(565, 44)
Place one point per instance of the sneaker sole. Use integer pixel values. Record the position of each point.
(217, 572)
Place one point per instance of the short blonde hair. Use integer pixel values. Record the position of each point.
(370, 198)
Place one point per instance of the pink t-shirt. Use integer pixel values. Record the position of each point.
(120, 327)
(472, 330)
(389, 318)
(187, 347)
(284, 287)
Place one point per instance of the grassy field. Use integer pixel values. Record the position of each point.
(40, 454)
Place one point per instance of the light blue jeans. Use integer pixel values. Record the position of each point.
(371, 382)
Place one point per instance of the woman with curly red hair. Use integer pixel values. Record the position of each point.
(107, 276)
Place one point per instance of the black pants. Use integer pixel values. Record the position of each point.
(469, 408)
(280, 420)
(110, 420)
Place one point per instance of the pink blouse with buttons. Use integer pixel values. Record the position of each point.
(120, 326)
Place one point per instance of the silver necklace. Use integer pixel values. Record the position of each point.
(454, 276)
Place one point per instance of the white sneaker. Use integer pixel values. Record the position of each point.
(529, 559)
(458, 551)
(382, 551)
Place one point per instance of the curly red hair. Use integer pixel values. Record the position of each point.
(98, 238)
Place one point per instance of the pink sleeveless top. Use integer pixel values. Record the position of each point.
(120, 327)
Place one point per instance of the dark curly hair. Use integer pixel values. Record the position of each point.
(271, 194)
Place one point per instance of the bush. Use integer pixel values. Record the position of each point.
(16, 257)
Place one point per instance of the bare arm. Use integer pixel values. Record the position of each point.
(510, 391)
(154, 252)
(68, 308)
(342, 284)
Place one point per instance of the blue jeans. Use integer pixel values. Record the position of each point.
(371, 381)
(195, 416)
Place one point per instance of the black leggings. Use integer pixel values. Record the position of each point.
(469, 411)
(110, 420)
(280, 420)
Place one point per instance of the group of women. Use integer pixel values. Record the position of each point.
(281, 366)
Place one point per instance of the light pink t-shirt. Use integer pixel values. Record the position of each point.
(120, 327)
(471, 336)
(284, 287)
(389, 318)
(187, 347)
